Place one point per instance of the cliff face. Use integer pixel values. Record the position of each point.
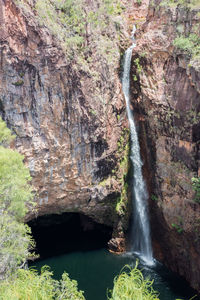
(166, 97)
(69, 124)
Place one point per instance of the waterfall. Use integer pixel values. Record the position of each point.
(140, 227)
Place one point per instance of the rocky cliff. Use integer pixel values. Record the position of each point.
(166, 97)
(67, 113)
(69, 116)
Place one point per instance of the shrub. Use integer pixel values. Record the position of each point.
(139, 2)
(28, 284)
(15, 195)
(131, 285)
(5, 134)
(190, 44)
(178, 227)
(15, 190)
(185, 3)
(15, 236)
(15, 245)
(80, 27)
(196, 188)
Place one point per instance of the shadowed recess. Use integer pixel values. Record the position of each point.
(68, 232)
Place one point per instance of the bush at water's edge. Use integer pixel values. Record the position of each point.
(131, 285)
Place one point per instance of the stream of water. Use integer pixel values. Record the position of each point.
(94, 267)
(141, 243)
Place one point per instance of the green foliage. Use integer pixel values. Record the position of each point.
(154, 197)
(135, 78)
(196, 188)
(120, 173)
(93, 112)
(15, 195)
(121, 201)
(77, 24)
(18, 83)
(185, 3)
(138, 65)
(27, 284)
(123, 169)
(15, 244)
(131, 285)
(138, 69)
(57, 13)
(139, 2)
(192, 116)
(178, 227)
(5, 134)
(190, 44)
(15, 237)
(15, 190)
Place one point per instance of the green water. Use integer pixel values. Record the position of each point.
(95, 269)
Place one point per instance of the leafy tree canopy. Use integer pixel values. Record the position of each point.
(15, 243)
(15, 190)
(28, 284)
(15, 196)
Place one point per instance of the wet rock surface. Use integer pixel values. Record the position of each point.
(67, 125)
(166, 98)
(73, 142)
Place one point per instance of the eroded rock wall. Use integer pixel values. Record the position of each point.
(166, 97)
(68, 126)
(72, 128)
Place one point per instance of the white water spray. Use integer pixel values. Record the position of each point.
(141, 229)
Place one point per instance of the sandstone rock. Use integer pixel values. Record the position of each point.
(67, 124)
(167, 95)
(117, 245)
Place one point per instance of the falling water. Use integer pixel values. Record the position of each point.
(141, 230)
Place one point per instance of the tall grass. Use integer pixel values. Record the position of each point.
(131, 285)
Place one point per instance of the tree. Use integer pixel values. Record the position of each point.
(15, 189)
(28, 284)
(15, 236)
(15, 197)
(15, 245)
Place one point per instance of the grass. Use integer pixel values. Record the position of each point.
(131, 285)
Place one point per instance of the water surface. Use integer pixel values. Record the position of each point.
(95, 270)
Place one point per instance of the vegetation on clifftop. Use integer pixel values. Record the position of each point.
(190, 44)
(187, 3)
(188, 36)
(81, 27)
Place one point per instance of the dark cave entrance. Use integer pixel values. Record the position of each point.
(69, 232)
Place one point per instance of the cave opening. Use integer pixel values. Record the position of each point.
(76, 244)
(69, 232)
